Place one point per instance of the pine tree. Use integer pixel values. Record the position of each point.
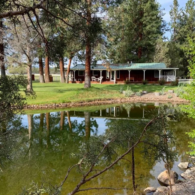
(135, 27)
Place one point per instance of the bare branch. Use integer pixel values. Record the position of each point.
(22, 11)
(84, 180)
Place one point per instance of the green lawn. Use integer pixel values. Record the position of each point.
(57, 92)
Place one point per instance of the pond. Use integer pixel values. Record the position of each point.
(38, 148)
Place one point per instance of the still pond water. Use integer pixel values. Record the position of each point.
(44, 145)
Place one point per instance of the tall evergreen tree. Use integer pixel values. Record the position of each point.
(135, 27)
(174, 14)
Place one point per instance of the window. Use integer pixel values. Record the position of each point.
(118, 74)
(81, 73)
(95, 73)
(107, 75)
(156, 74)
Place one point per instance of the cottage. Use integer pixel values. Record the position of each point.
(118, 73)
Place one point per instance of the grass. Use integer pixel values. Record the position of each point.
(56, 92)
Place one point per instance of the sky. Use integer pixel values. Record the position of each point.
(166, 6)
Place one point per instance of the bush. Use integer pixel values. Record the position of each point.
(139, 93)
(162, 92)
(170, 96)
(121, 89)
(145, 82)
(161, 81)
(174, 83)
(180, 90)
(129, 92)
(127, 81)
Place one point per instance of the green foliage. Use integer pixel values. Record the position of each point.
(162, 52)
(121, 89)
(35, 189)
(129, 92)
(11, 100)
(145, 82)
(174, 83)
(161, 81)
(170, 96)
(140, 20)
(191, 134)
(162, 92)
(138, 93)
(180, 90)
(190, 52)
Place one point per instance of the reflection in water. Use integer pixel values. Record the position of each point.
(55, 142)
(87, 124)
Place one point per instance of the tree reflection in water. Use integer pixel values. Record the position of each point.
(124, 151)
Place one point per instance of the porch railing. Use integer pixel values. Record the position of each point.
(168, 78)
(185, 81)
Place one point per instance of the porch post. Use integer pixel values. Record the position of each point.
(74, 76)
(175, 74)
(144, 75)
(159, 74)
(115, 77)
(129, 74)
(100, 76)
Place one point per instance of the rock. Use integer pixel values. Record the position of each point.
(164, 178)
(156, 93)
(144, 92)
(149, 189)
(183, 165)
(185, 188)
(162, 190)
(189, 173)
(170, 91)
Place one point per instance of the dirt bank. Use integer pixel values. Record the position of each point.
(145, 98)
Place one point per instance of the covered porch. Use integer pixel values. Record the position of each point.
(122, 76)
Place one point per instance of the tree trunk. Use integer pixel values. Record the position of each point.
(48, 128)
(41, 74)
(62, 120)
(88, 50)
(29, 126)
(2, 63)
(69, 121)
(47, 69)
(41, 129)
(29, 77)
(62, 70)
(29, 71)
(87, 124)
(68, 69)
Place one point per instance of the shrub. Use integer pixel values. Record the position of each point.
(121, 89)
(180, 90)
(161, 81)
(162, 92)
(145, 82)
(174, 83)
(138, 93)
(129, 92)
(127, 81)
(170, 96)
